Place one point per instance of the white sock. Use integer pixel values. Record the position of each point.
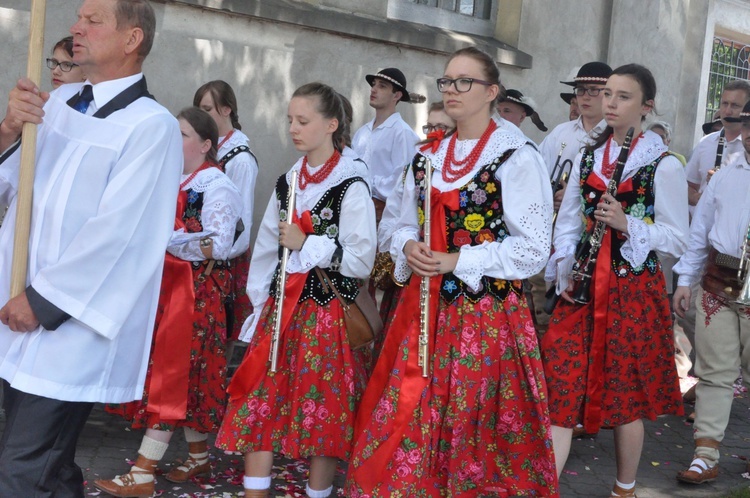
(193, 436)
(151, 449)
(325, 493)
(256, 482)
(626, 487)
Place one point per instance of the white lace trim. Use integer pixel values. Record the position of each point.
(646, 151)
(470, 267)
(346, 168)
(207, 179)
(552, 271)
(499, 143)
(238, 138)
(635, 250)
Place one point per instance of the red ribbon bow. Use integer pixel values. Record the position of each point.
(434, 137)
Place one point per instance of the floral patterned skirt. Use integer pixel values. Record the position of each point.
(307, 407)
(391, 297)
(622, 372)
(208, 364)
(479, 425)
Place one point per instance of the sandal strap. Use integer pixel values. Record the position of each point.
(128, 479)
(190, 464)
(698, 465)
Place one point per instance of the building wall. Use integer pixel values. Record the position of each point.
(265, 60)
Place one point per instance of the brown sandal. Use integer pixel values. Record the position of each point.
(698, 473)
(128, 487)
(623, 493)
(187, 470)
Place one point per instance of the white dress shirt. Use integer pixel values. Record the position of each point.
(386, 150)
(720, 220)
(575, 138)
(703, 157)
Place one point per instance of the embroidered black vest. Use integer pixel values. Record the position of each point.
(479, 218)
(637, 195)
(325, 219)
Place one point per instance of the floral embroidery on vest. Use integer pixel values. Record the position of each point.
(636, 194)
(325, 219)
(192, 214)
(478, 219)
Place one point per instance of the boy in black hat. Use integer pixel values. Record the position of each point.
(587, 87)
(385, 144)
(515, 107)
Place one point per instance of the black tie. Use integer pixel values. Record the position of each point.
(84, 99)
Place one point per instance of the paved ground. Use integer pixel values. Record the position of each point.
(107, 445)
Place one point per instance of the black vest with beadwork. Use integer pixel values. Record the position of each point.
(636, 194)
(325, 220)
(479, 219)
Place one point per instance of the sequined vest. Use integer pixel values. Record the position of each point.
(637, 195)
(325, 219)
(479, 218)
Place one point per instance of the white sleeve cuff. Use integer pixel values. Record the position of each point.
(317, 251)
(470, 267)
(636, 248)
(401, 269)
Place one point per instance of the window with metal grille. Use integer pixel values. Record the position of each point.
(730, 60)
(480, 9)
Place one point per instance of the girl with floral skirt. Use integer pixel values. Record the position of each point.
(478, 424)
(610, 363)
(185, 382)
(306, 408)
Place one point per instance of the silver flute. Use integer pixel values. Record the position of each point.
(281, 282)
(424, 290)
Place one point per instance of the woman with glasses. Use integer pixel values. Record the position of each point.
(64, 70)
(476, 422)
(609, 355)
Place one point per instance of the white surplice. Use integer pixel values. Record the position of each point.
(103, 211)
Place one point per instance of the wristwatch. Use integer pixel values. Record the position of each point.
(206, 242)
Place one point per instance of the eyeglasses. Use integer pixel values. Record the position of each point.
(65, 66)
(462, 85)
(428, 128)
(593, 92)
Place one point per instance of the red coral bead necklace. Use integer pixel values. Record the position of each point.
(452, 173)
(305, 177)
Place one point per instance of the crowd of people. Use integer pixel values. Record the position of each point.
(526, 290)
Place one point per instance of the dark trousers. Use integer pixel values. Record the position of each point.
(38, 446)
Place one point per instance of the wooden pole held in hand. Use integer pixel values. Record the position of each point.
(28, 156)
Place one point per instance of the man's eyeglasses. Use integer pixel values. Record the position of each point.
(462, 85)
(65, 66)
(593, 92)
(428, 128)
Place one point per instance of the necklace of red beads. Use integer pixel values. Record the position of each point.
(304, 173)
(452, 173)
(608, 167)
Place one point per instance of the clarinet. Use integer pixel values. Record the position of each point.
(281, 282)
(424, 289)
(583, 272)
(719, 152)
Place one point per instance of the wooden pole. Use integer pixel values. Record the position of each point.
(28, 156)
